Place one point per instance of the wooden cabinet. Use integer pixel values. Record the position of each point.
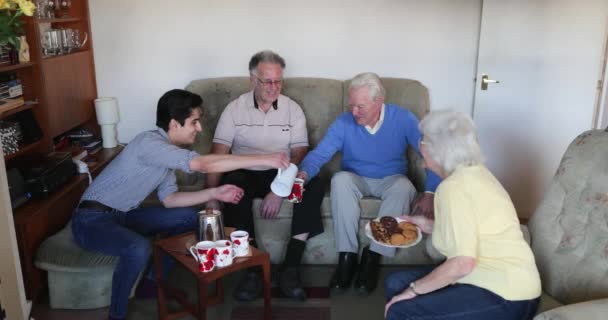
(59, 90)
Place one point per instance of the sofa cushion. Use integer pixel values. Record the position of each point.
(275, 234)
(61, 253)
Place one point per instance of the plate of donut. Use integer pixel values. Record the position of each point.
(393, 232)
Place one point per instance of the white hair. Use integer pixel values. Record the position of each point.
(450, 139)
(371, 81)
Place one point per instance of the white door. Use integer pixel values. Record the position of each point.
(547, 55)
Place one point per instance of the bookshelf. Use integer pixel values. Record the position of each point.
(59, 92)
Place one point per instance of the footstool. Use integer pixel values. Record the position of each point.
(77, 278)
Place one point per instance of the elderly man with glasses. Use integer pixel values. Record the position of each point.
(262, 121)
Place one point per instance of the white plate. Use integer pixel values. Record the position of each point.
(368, 233)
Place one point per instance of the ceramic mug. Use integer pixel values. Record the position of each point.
(282, 183)
(240, 243)
(204, 252)
(223, 253)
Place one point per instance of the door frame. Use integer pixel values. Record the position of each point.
(600, 113)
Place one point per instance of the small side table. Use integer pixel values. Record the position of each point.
(176, 248)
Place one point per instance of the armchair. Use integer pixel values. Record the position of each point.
(569, 233)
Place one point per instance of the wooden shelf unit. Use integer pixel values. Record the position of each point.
(64, 88)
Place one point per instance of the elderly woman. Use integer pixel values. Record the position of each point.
(489, 271)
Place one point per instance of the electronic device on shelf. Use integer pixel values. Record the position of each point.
(17, 188)
(46, 174)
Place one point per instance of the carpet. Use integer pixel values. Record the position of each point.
(281, 313)
(311, 293)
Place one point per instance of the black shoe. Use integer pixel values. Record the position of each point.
(344, 272)
(369, 269)
(250, 287)
(289, 283)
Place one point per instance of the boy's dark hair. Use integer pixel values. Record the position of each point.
(176, 104)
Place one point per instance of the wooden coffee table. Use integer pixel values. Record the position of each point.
(176, 247)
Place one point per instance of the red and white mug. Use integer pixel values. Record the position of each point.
(297, 190)
(204, 252)
(224, 254)
(240, 243)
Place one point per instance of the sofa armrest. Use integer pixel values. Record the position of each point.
(415, 170)
(588, 310)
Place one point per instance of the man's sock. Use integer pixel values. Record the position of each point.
(295, 249)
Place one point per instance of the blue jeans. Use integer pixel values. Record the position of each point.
(123, 234)
(458, 301)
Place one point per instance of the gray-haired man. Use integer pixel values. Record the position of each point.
(372, 138)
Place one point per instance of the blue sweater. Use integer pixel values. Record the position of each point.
(370, 155)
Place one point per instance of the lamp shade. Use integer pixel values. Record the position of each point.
(107, 110)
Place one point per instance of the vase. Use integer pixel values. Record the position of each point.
(24, 50)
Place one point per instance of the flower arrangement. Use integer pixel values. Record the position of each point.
(11, 26)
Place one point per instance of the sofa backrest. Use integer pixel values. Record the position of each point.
(322, 100)
(569, 229)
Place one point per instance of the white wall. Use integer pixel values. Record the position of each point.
(146, 47)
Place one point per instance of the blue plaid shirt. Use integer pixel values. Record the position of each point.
(148, 163)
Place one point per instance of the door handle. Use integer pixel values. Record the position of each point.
(485, 80)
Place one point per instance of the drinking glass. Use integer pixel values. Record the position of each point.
(40, 9)
(50, 5)
(65, 5)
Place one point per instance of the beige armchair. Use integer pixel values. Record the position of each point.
(569, 233)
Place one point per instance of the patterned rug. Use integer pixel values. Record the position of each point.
(281, 313)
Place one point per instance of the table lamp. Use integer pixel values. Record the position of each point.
(107, 117)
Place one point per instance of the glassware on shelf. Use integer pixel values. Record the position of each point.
(65, 5)
(62, 41)
(50, 6)
(48, 44)
(41, 9)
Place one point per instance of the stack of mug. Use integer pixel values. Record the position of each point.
(220, 253)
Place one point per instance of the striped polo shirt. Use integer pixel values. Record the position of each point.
(249, 130)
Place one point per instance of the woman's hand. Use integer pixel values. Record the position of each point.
(228, 193)
(425, 224)
(405, 295)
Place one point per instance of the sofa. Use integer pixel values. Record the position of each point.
(322, 100)
(569, 233)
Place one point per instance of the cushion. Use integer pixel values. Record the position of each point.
(61, 253)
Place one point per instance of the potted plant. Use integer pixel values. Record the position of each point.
(11, 25)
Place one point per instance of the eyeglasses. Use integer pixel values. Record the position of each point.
(268, 82)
